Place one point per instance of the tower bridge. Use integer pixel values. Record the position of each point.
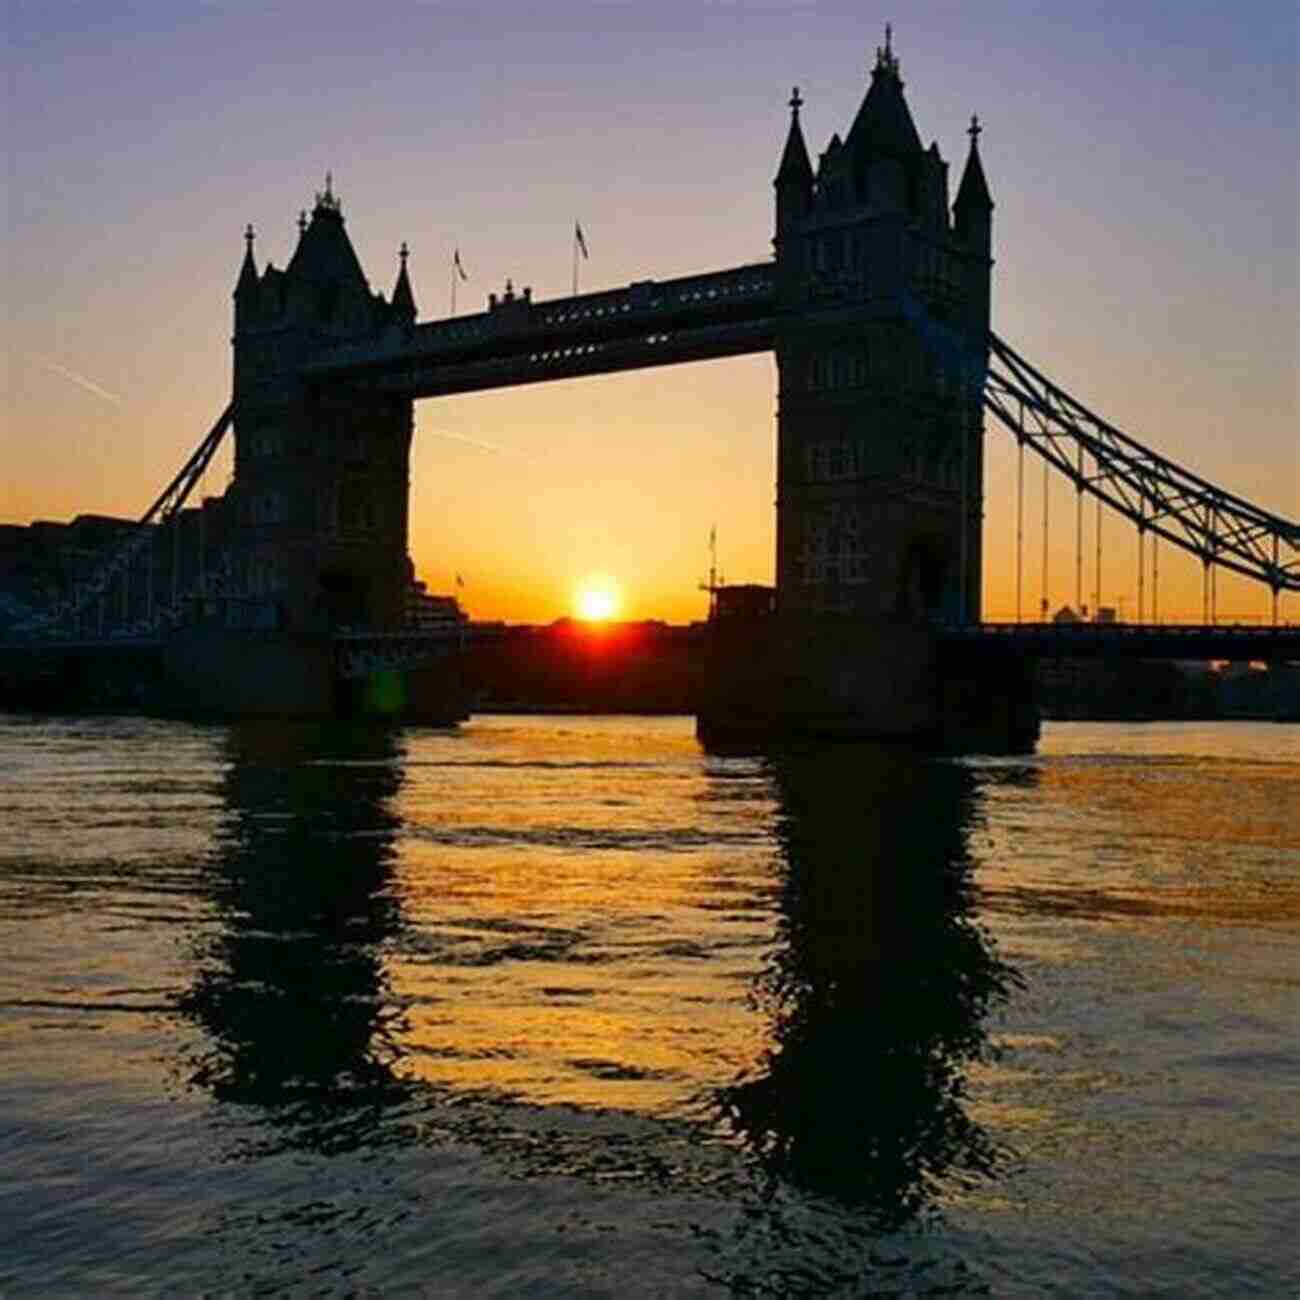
(876, 308)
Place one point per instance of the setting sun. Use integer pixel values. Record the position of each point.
(597, 599)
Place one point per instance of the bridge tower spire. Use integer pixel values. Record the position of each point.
(246, 285)
(794, 177)
(403, 303)
(972, 214)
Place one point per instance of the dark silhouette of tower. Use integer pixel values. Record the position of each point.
(880, 451)
(321, 474)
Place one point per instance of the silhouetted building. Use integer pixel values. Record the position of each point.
(743, 601)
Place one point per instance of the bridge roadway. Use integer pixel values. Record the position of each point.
(360, 652)
(1235, 642)
(518, 341)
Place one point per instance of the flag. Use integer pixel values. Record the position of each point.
(455, 261)
(581, 242)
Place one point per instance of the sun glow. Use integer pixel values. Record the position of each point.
(597, 600)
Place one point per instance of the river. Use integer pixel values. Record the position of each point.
(565, 1006)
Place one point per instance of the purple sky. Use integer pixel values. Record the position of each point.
(1142, 158)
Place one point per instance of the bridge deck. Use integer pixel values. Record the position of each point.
(1241, 643)
(1037, 640)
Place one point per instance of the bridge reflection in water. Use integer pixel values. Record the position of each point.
(292, 990)
(874, 993)
(879, 988)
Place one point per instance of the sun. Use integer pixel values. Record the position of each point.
(597, 599)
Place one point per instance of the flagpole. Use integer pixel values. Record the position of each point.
(575, 259)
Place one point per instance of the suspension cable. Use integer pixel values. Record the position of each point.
(1078, 537)
(1141, 557)
(165, 509)
(1155, 578)
(1180, 506)
(1096, 593)
(1275, 583)
(1020, 520)
(1043, 602)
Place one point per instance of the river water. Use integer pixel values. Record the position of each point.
(567, 1007)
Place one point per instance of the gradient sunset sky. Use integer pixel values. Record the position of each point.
(1142, 156)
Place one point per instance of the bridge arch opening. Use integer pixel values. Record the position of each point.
(521, 491)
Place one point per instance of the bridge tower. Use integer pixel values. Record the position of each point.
(879, 451)
(320, 489)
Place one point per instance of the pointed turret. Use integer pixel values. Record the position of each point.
(403, 305)
(973, 226)
(794, 177)
(973, 210)
(246, 286)
(884, 126)
(883, 155)
(795, 164)
(324, 277)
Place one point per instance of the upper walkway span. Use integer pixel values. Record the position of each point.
(519, 341)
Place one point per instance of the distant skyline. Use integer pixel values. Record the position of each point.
(1142, 161)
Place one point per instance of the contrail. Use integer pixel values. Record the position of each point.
(477, 442)
(80, 380)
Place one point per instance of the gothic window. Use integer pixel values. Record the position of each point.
(828, 462)
(834, 547)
